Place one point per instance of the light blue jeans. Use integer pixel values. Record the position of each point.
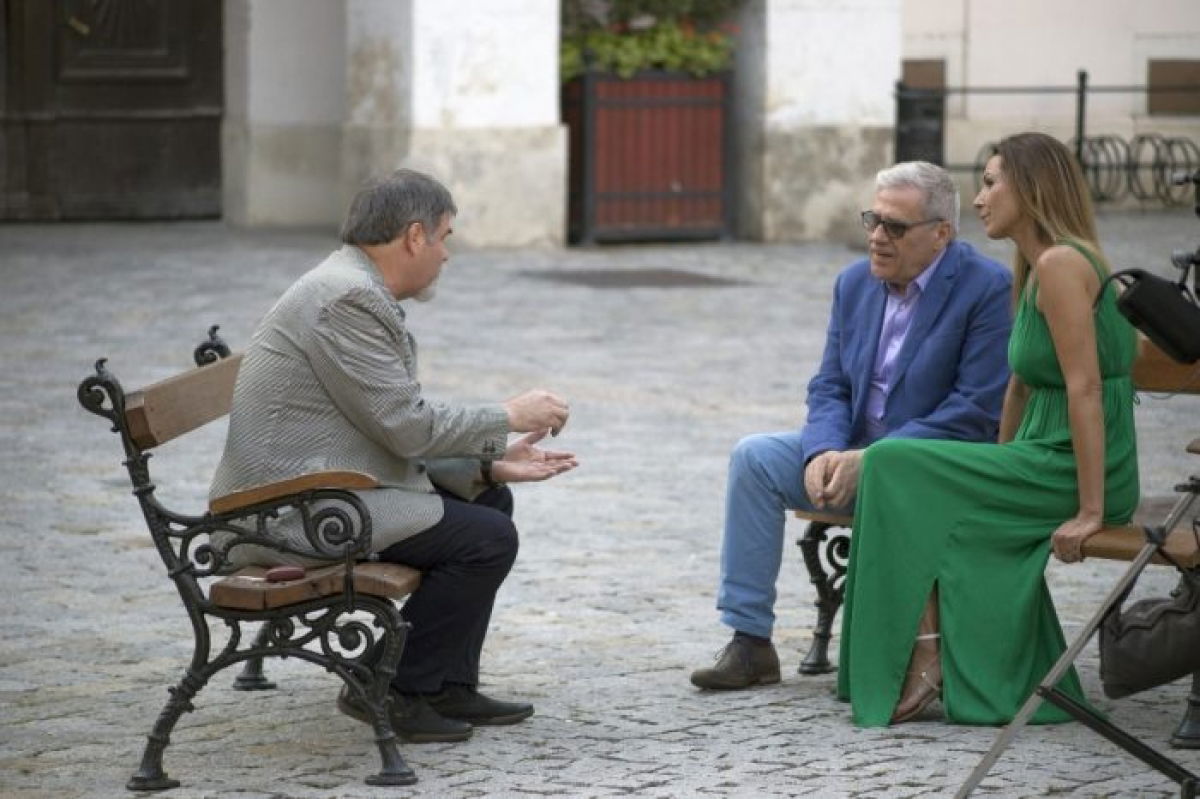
(766, 479)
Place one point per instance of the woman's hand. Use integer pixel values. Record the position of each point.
(1067, 541)
(523, 462)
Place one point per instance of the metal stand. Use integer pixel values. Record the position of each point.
(1189, 783)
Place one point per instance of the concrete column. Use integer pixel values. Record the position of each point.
(815, 82)
(285, 69)
(468, 92)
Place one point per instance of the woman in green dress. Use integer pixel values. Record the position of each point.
(945, 593)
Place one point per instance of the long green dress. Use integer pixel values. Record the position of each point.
(976, 521)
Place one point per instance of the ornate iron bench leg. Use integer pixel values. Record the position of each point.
(150, 775)
(1187, 735)
(829, 585)
(394, 770)
(251, 677)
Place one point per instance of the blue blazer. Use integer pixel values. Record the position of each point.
(951, 372)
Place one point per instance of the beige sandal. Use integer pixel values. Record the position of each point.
(922, 686)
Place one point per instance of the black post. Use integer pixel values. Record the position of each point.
(1080, 114)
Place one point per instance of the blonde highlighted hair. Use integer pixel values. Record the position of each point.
(1051, 191)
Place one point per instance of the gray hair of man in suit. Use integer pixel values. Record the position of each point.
(385, 206)
(934, 183)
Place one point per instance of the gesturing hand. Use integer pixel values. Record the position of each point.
(523, 462)
(537, 409)
(1067, 541)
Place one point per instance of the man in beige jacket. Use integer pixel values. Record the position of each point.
(329, 382)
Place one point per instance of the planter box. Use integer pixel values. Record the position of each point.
(650, 157)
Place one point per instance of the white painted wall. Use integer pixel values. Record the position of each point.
(813, 101)
(485, 63)
(284, 88)
(379, 62)
(1044, 43)
(831, 62)
(296, 62)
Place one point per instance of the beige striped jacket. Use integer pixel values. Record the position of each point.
(329, 381)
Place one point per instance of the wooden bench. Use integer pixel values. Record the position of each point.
(341, 616)
(825, 544)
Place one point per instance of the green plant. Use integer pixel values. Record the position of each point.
(625, 36)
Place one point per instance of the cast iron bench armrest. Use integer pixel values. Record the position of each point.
(269, 492)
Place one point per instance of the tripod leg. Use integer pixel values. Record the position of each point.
(1009, 733)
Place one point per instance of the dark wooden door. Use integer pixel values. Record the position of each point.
(110, 109)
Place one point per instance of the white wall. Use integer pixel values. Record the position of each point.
(323, 93)
(831, 62)
(1045, 43)
(501, 70)
(814, 107)
(284, 103)
(468, 92)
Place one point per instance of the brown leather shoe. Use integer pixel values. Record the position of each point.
(740, 664)
(412, 718)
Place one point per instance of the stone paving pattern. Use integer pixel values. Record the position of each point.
(610, 604)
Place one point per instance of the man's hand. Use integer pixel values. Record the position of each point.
(537, 410)
(843, 482)
(816, 475)
(1068, 539)
(831, 478)
(523, 462)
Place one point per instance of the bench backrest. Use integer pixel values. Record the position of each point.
(168, 409)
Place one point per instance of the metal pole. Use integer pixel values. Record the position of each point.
(1080, 113)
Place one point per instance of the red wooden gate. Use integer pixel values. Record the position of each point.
(649, 157)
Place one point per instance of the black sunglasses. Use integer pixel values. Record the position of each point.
(894, 230)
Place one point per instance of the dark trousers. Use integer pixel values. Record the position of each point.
(464, 559)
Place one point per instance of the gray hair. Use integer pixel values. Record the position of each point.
(384, 207)
(935, 184)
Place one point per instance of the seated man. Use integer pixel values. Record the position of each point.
(329, 382)
(916, 347)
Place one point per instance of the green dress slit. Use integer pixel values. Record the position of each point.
(975, 519)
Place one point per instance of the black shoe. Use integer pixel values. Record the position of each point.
(464, 702)
(740, 664)
(412, 718)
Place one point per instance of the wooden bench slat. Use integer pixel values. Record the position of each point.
(1124, 543)
(167, 409)
(837, 520)
(248, 589)
(306, 482)
(1111, 543)
(1154, 370)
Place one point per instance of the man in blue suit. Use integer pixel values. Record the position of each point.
(916, 347)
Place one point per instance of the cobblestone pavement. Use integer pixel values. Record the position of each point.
(611, 602)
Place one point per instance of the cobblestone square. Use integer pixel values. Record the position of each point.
(610, 604)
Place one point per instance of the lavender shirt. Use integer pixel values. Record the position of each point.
(897, 319)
